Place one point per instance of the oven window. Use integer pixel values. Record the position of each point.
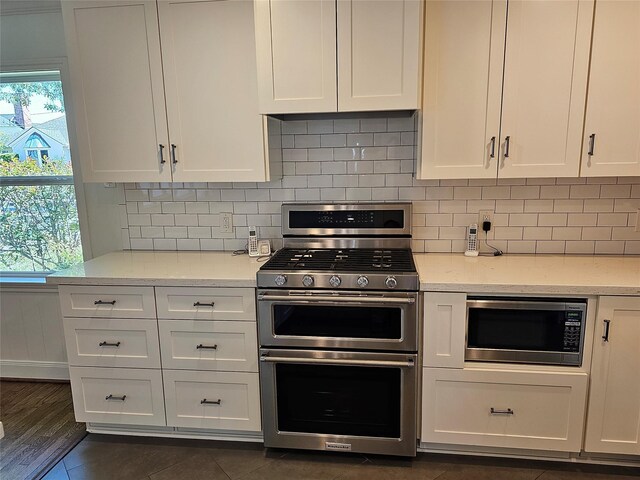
(541, 330)
(337, 321)
(339, 400)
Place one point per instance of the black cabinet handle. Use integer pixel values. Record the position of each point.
(507, 142)
(108, 344)
(174, 160)
(607, 324)
(592, 144)
(104, 302)
(492, 153)
(162, 160)
(204, 401)
(114, 397)
(495, 411)
(204, 304)
(206, 347)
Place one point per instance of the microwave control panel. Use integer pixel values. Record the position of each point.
(572, 331)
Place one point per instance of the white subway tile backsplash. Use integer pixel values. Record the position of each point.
(373, 159)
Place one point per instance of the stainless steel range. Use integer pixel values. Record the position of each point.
(338, 329)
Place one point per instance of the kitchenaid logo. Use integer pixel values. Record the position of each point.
(345, 447)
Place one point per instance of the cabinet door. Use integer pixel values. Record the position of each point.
(117, 89)
(545, 81)
(613, 105)
(445, 318)
(613, 424)
(378, 55)
(209, 59)
(296, 47)
(461, 118)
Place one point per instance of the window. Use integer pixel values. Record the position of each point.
(39, 228)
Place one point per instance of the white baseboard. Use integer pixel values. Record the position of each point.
(172, 432)
(34, 369)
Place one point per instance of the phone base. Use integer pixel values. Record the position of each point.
(471, 253)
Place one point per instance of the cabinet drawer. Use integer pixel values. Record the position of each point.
(532, 410)
(117, 395)
(196, 345)
(215, 400)
(206, 303)
(107, 342)
(108, 302)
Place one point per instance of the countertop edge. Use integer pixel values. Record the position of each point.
(528, 289)
(153, 282)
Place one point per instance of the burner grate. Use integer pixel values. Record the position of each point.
(345, 260)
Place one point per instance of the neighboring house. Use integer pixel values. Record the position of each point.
(49, 139)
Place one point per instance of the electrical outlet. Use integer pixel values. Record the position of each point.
(226, 222)
(638, 220)
(484, 216)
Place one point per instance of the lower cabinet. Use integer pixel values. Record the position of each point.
(613, 424)
(213, 400)
(500, 408)
(131, 396)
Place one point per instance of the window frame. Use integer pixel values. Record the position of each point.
(39, 69)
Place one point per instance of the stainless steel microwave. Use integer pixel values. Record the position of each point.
(525, 330)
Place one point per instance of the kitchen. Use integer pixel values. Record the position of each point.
(454, 140)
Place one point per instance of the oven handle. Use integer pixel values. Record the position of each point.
(337, 298)
(339, 361)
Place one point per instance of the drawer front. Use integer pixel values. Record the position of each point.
(206, 303)
(107, 342)
(214, 400)
(117, 395)
(107, 302)
(541, 411)
(196, 345)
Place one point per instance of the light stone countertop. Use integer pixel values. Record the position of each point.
(448, 272)
(197, 269)
(529, 274)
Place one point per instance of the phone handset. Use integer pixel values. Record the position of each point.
(252, 244)
(472, 240)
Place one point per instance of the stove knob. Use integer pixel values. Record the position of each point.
(307, 280)
(335, 281)
(391, 282)
(280, 280)
(362, 281)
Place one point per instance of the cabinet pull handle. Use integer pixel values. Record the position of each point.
(507, 142)
(204, 401)
(495, 411)
(109, 344)
(104, 302)
(592, 144)
(114, 397)
(204, 304)
(162, 160)
(174, 160)
(607, 324)
(492, 152)
(206, 347)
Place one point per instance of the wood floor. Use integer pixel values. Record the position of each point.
(39, 428)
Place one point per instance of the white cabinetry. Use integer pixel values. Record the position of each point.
(613, 424)
(500, 408)
(206, 69)
(375, 43)
(198, 355)
(445, 317)
(542, 92)
(612, 126)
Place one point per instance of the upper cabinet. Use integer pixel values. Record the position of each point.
(611, 143)
(328, 56)
(504, 94)
(208, 130)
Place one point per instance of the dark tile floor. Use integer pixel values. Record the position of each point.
(100, 457)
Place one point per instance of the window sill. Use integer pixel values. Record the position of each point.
(26, 280)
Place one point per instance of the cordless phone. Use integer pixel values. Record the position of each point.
(472, 241)
(252, 244)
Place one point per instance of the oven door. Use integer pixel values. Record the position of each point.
(353, 320)
(341, 401)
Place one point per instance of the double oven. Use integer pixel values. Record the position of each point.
(338, 356)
